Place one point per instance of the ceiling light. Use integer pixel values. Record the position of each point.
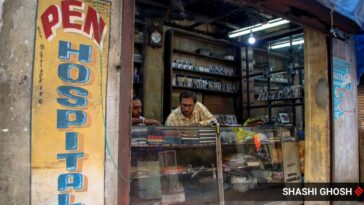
(251, 39)
(287, 44)
(257, 27)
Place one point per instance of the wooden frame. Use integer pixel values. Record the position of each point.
(126, 76)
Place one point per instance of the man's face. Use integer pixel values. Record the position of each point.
(137, 108)
(187, 106)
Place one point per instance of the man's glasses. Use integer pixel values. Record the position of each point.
(189, 106)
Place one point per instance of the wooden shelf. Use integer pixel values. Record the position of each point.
(203, 56)
(204, 90)
(207, 73)
(183, 44)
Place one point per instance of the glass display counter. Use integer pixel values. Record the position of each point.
(257, 162)
(209, 165)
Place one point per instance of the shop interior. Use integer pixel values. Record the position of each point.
(247, 67)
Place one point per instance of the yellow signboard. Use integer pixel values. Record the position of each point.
(68, 102)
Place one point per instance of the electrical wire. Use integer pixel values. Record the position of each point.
(332, 30)
(102, 101)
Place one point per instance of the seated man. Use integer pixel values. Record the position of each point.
(137, 119)
(190, 112)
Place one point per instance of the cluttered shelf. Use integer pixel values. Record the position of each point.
(208, 73)
(203, 56)
(283, 70)
(266, 81)
(284, 99)
(204, 90)
(276, 105)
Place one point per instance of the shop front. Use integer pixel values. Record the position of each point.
(271, 100)
(279, 88)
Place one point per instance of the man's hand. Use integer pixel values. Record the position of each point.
(151, 122)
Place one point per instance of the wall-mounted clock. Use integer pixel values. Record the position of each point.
(155, 34)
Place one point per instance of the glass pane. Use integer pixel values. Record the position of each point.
(253, 163)
(172, 165)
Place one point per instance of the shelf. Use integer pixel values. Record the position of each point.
(275, 105)
(273, 72)
(276, 100)
(265, 81)
(209, 74)
(204, 90)
(202, 56)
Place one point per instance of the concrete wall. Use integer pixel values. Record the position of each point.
(16, 62)
(112, 105)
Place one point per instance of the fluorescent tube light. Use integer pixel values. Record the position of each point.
(257, 27)
(286, 44)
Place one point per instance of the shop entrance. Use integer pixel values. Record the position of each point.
(246, 67)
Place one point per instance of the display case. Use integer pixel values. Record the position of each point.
(173, 165)
(211, 165)
(257, 162)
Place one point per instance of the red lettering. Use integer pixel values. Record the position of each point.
(93, 26)
(68, 13)
(92, 21)
(50, 21)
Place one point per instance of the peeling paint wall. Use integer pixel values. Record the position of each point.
(345, 136)
(16, 61)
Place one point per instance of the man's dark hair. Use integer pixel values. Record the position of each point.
(136, 98)
(188, 94)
